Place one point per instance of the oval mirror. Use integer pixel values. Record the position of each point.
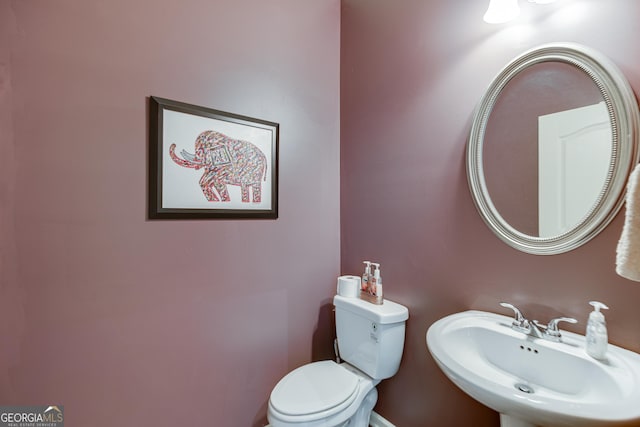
(552, 144)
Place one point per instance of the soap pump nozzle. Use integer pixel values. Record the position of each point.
(596, 314)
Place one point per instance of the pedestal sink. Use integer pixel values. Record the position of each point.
(533, 381)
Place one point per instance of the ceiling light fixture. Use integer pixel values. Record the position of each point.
(501, 11)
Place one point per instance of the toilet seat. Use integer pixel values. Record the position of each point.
(320, 388)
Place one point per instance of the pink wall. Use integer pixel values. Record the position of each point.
(412, 74)
(192, 322)
(127, 321)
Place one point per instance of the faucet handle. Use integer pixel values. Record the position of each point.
(551, 331)
(519, 321)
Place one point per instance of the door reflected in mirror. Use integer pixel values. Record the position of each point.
(574, 159)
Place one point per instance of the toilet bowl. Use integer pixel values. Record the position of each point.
(323, 394)
(329, 394)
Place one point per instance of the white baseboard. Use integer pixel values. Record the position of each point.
(376, 420)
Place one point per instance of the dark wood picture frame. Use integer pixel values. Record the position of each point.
(232, 174)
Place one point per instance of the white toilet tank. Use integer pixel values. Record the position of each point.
(371, 337)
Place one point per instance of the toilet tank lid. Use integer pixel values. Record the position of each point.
(387, 312)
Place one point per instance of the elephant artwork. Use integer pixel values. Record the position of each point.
(226, 161)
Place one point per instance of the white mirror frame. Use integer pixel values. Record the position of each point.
(625, 118)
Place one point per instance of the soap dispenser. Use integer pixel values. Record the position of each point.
(366, 276)
(375, 286)
(378, 277)
(597, 332)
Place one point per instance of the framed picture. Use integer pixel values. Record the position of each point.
(205, 163)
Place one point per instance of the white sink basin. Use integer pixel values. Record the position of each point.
(533, 381)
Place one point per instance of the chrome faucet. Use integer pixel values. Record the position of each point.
(534, 328)
(520, 323)
(551, 331)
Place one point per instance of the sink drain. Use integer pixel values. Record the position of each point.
(524, 388)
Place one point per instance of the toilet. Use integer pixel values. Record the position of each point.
(328, 394)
